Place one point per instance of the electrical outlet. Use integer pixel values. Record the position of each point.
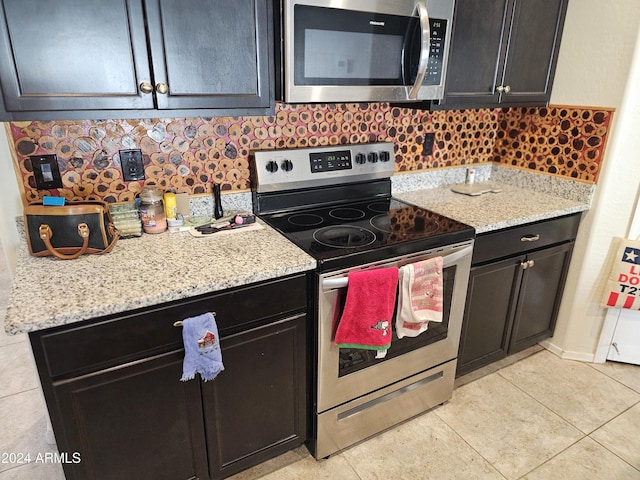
(131, 164)
(427, 144)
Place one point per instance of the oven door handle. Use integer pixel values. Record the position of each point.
(447, 261)
(455, 257)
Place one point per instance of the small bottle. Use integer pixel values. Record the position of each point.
(471, 176)
(170, 205)
(152, 212)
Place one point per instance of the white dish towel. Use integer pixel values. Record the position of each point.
(420, 298)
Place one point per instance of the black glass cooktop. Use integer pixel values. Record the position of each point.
(347, 233)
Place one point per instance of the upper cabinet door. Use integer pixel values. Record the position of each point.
(478, 49)
(73, 55)
(210, 54)
(503, 52)
(533, 50)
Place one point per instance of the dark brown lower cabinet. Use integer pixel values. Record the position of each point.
(119, 410)
(255, 411)
(514, 290)
(136, 421)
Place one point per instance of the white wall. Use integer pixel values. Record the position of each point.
(595, 54)
(599, 47)
(11, 203)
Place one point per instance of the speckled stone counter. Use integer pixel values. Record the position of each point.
(144, 271)
(493, 211)
(155, 269)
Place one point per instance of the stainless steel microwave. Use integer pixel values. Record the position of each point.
(364, 50)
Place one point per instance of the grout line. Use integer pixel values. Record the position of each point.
(2, 397)
(542, 404)
(553, 456)
(469, 445)
(611, 451)
(614, 378)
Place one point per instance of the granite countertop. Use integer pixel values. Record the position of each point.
(139, 272)
(493, 211)
(155, 269)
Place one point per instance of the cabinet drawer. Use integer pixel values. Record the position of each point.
(116, 339)
(525, 238)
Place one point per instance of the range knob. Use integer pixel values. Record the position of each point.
(372, 157)
(360, 158)
(286, 165)
(384, 156)
(272, 166)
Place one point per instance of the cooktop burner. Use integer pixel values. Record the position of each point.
(344, 236)
(337, 231)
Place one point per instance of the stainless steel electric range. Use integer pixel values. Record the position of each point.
(335, 203)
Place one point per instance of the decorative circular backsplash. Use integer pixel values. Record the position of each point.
(189, 155)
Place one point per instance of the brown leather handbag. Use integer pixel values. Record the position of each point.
(70, 230)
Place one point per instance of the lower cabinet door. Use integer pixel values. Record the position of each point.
(540, 296)
(257, 407)
(489, 310)
(134, 421)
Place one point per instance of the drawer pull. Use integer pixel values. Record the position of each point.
(530, 238)
(179, 322)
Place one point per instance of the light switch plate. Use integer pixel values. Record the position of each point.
(46, 171)
(131, 164)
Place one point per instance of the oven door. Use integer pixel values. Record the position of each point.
(365, 50)
(346, 374)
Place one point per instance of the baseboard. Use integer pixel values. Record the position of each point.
(565, 355)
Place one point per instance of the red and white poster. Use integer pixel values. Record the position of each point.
(623, 286)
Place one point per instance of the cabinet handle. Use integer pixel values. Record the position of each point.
(146, 87)
(615, 346)
(503, 89)
(499, 89)
(530, 238)
(527, 264)
(162, 88)
(507, 89)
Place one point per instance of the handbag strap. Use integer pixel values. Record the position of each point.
(46, 234)
(115, 234)
(83, 231)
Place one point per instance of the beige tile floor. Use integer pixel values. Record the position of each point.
(533, 416)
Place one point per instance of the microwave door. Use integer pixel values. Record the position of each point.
(417, 45)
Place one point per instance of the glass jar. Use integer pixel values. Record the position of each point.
(152, 211)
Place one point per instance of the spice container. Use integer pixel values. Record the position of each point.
(152, 211)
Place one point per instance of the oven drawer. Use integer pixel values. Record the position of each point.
(359, 419)
(517, 240)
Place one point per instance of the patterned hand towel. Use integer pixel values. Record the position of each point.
(201, 348)
(368, 311)
(420, 298)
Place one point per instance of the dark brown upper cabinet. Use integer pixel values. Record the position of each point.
(503, 53)
(132, 58)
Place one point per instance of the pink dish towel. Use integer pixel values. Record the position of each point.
(420, 298)
(368, 311)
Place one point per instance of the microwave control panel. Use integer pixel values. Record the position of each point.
(433, 75)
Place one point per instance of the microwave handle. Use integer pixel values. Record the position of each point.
(425, 37)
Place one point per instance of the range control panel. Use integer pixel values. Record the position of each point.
(278, 170)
